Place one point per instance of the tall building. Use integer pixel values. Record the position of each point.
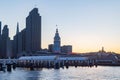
(19, 35)
(33, 31)
(0, 28)
(57, 42)
(9, 48)
(66, 49)
(23, 39)
(19, 42)
(5, 41)
(15, 42)
(0, 40)
(29, 39)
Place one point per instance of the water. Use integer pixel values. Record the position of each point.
(79, 73)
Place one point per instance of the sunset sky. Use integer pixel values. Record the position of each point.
(87, 25)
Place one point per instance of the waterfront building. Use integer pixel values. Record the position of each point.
(66, 49)
(57, 42)
(50, 47)
(33, 31)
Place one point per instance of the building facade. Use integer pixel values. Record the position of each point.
(50, 48)
(0, 28)
(33, 31)
(66, 49)
(0, 40)
(23, 32)
(16, 42)
(6, 49)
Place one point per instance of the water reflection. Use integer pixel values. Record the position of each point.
(80, 73)
(34, 76)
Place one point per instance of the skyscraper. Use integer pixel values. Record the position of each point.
(57, 42)
(15, 42)
(4, 40)
(33, 31)
(0, 28)
(23, 39)
(0, 40)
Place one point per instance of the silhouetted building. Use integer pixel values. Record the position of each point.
(5, 43)
(66, 49)
(29, 39)
(0, 28)
(50, 48)
(57, 42)
(0, 40)
(102, 50)
(15, 42)
(9, 48)
(12, 45)
(23, 32)
(19, 42)
(33, 31)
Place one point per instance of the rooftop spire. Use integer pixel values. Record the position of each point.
(57, 37)
(17, 31)
(35, 5)
(56, 28)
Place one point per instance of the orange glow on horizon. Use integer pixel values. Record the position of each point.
(93, 50)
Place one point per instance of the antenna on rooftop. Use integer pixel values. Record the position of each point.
(56, 26)
(35, 5)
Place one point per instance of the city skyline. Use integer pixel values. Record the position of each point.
(93, 24)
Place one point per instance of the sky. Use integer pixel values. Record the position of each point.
(87, 25)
